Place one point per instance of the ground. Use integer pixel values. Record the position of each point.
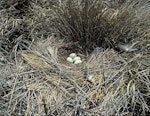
(37, 80)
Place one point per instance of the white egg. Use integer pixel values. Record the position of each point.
(77, 58)
(72, 55)
(77, 62)
(91, 78)
(69, 59)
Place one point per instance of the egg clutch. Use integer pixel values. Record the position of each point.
(73, 58)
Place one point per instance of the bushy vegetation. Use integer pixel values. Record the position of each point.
(98, 23)
(36, 79)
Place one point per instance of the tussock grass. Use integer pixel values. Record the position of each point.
(36, 79)
(108, 25)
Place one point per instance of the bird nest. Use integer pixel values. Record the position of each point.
(42, 82)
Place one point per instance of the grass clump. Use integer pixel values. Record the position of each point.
(82, 22)
(97, 23)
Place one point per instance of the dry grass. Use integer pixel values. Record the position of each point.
(36, 79)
